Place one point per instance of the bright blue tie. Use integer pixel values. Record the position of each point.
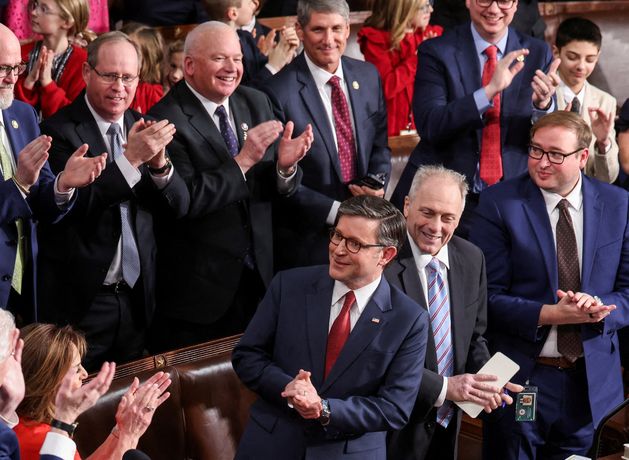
(130, 256)
(226, 131)
(439, 309)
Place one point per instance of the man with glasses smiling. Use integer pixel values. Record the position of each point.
(334, 352)
(99, 265)
(556, 244)
(477, 89)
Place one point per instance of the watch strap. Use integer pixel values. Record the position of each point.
(63, 426)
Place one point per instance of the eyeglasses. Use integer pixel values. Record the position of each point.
(502, 4)
(425, 8)
(111, 78)
(557, 158)
(17, 69)
(35, 6)
(351, 244)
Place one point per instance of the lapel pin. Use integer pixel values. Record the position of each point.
(375, 320)
(15, 124)
(520, 58)
(245, 128)
(355, 84)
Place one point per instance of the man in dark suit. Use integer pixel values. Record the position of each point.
(98, 265)
(457, 349)
(557, 249)
(476, 89)
(28, 189)
(215, 264)
(334, 352)
(350, 129)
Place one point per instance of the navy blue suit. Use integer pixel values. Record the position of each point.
(371, 388)
(446, 115)
(513, 229)
(301, 221)
(20, 124)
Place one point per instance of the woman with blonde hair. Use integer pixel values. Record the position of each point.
(53, 75)
(49, 354)
(389, 40)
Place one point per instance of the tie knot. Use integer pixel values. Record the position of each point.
(335, 82)
(434, 265)
(575, 106)
(563, 205)
(114, 129)
(221, 112)
(491, 51)
(350, 298)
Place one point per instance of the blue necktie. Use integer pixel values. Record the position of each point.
(130, 256)
(226, 131)
(439, 309)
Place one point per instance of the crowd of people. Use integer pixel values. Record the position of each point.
(158, 195)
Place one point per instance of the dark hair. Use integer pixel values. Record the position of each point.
(217, 9)
(568, 120)
(305, 8)
(578, 29)
(392, 226)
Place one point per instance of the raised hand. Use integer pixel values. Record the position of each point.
(147, 139)
(602, 124)
(30, 161)
(290, 150)
(80, 170)
(545, 84)
(259, 138)
(45, 70)
(505, 71)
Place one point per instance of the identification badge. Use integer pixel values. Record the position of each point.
(526, 405)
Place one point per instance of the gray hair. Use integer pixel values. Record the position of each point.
(426, 172)
(305, 8)
(114, 36)
(7, 324)
(392, 226)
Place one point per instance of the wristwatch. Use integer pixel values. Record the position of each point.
(163, 169)
(63, 426)
(324, 418)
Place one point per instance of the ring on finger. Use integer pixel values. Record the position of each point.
(149, 409)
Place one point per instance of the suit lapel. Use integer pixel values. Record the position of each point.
(318, 305)
(312, 101)
(363, 333)
(356, 89)
(87, 128)
(11, 128)
(467, 61)
(456, 288)
(592, 219)
(510, 93)
(242, 116)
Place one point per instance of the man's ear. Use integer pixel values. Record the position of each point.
(388, 254)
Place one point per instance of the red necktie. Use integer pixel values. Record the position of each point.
(490, 158)
(344, 133)
(339, 333)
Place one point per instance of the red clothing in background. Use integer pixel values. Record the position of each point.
(55, 95)
(146, 96)
(397, 69)
(31, 437)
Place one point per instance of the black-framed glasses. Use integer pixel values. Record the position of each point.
(43, 9)
(111, 78)
(351, 244)
(502, 4)
(17, 69)
(557, 158)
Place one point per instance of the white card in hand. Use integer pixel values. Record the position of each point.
(502, 367)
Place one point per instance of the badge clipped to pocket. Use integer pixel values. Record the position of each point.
(526, 405)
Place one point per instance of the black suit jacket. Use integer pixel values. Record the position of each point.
(201, 260)
(468, 313)
(75, 254)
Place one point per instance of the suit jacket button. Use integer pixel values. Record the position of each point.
(6, 278)
(430, 426)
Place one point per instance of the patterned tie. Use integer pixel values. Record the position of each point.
(439, 309)
(490, 156)
(18, 267)
(568, 335)
(130, 256)
(339, 333)
(226, 131)
(344, 133)
(576, 106)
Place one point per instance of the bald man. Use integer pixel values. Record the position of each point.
(215, 264)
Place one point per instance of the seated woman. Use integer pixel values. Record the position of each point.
(389, 40)
(51, 352)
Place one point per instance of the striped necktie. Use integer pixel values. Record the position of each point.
(439, 309)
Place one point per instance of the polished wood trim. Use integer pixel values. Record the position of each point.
(570, 8)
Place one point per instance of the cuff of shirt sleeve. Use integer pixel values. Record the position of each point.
(332, 214)
(272, 69)
(130, 174)
(481, 101)
(442, 396)
(59, 445)
(162, 181)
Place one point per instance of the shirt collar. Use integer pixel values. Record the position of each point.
(322, 76)
(422, 260)
(568, 94)
(103, 125)
(575, 197)
(209, 106)
(363, 294)
(481, 44)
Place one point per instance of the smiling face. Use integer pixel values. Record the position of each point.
(213, 65)
(578, 60)
(9, 56)
(324, 39)
(433, 213)
(490, 22)
(110, 100)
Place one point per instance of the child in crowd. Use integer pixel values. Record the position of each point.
(389, 40)
(256, 66)
(173, 71)
(151, 44)
(578, 44)
(54, 65)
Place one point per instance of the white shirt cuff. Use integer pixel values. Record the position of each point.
(130, 174)
(59, 445)
(162, 181)
(332, 214)
(442, 396)
(62, 198)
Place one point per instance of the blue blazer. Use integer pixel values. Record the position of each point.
(513, 229)
(295, 98)
(371, 388)
(446, 116)
(20, 124)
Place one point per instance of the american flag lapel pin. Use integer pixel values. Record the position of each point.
(375, 320)
(355, 84)
(15, 124)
